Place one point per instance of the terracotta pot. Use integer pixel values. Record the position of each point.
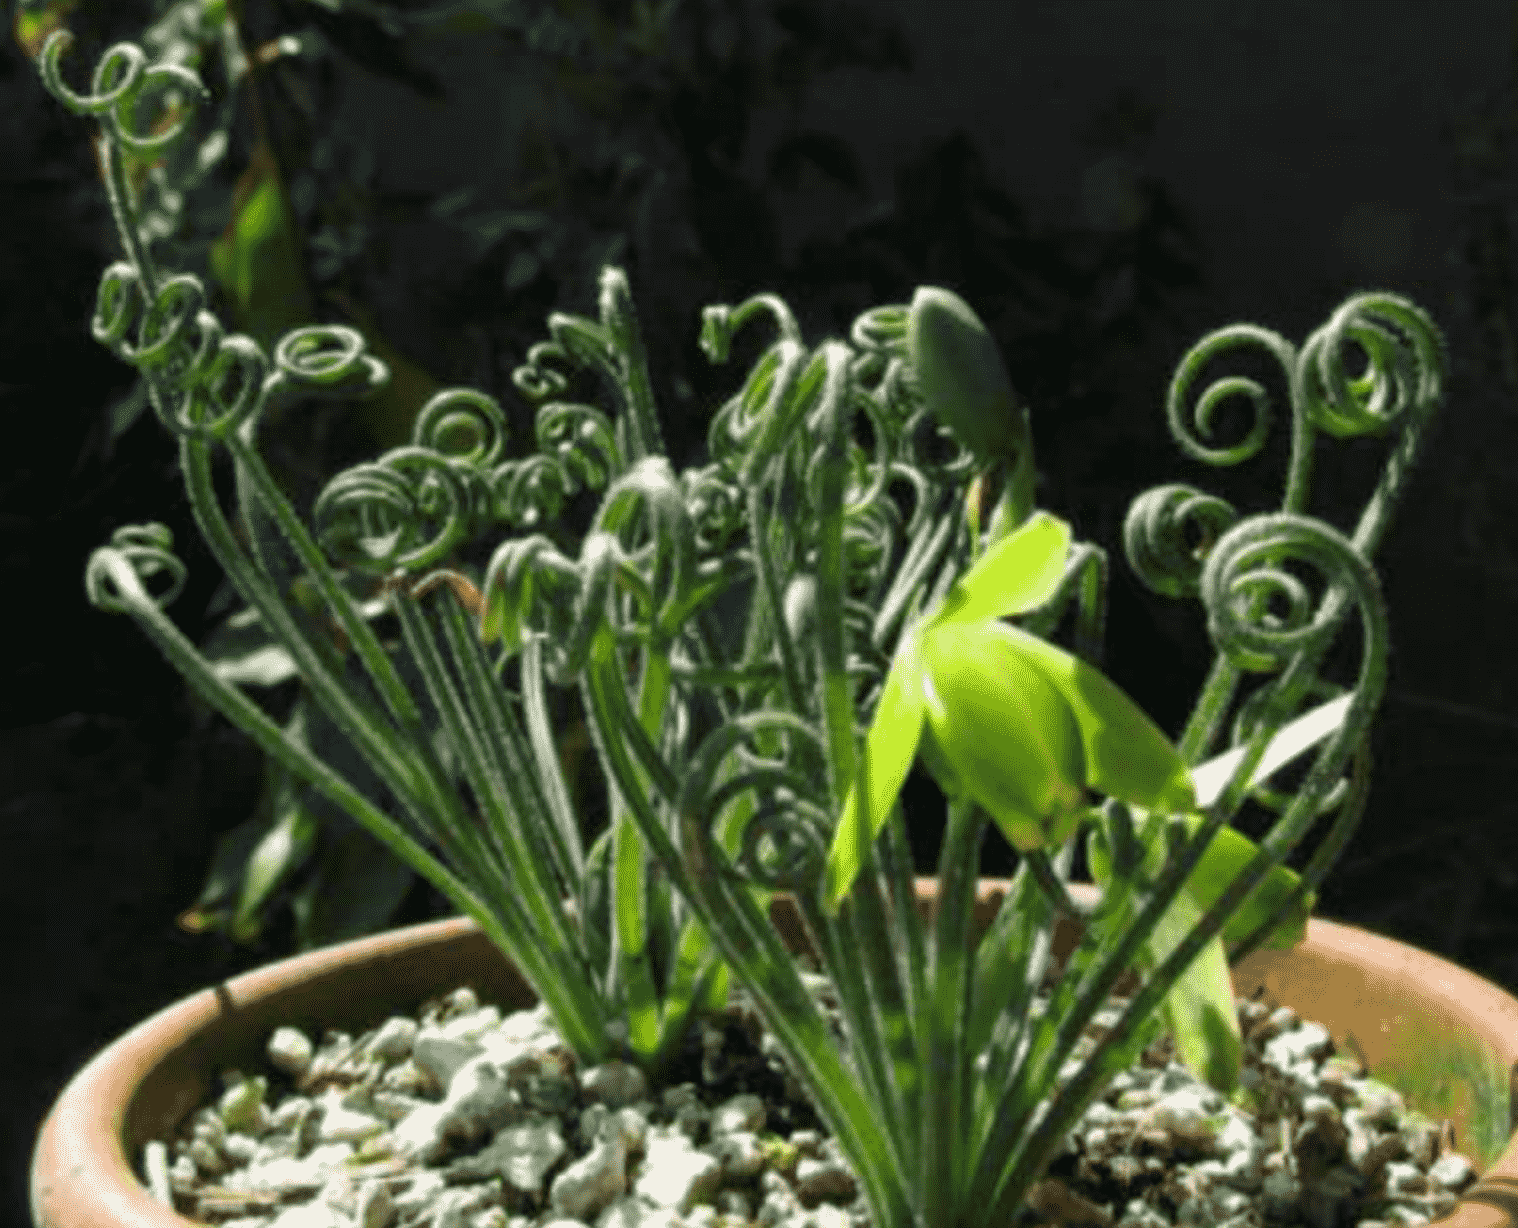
(1444, 1037)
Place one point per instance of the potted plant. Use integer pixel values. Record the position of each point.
(1441, 1034)
(762, 646)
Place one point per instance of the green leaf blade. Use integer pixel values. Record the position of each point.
(1198, 1008)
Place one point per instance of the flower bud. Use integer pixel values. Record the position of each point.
(961, 376)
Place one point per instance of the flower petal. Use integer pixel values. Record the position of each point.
(1127, 755)
(1007, 736)
(1017, 574)
(889, 750)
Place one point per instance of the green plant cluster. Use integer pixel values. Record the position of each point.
(763, 643)
(633, 154)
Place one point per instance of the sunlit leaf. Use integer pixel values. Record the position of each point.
(890, 747)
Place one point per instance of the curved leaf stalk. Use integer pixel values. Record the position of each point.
(120, 567)
(1010, 964)
(1351, 810)
(620, 320)
(407, 767)
(495, 737)
(923, 557)
(569, 853)
(835, 701)
(205, 376)
(948, 1079)
(409, 770)
(870, 990)
(122, 78)
(743, 935)
(651, 485)
(488, 740)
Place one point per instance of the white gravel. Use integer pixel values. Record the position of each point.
(460, 1118)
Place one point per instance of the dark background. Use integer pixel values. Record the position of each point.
(1280, 156)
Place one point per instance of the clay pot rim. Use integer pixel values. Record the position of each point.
(84, 1131)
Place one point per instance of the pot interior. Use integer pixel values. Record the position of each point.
(1410, 1017)
(316, 992)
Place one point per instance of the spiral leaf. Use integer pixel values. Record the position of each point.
(795, 828)
(464, 425)
(1156, 536)
(1246, 569)
(580, 438)
(148, 549)
(882, 330)
(517, 570)
(1190, 367)
(122, 78)
(406, 511)
(720, 323)
(1405, 370)
(331, 357)
(715, 505)
(535, 379)
(530, 492)
(650, 485)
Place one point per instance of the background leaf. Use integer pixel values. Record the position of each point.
(281, 852)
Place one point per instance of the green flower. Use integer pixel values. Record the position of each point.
(1023, 729)
(961, 376)
(1003, 718)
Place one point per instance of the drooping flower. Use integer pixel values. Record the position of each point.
(1004, 718)
(1023, 729)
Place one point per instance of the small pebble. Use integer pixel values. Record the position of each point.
(290, 1050)
(463, 1118)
